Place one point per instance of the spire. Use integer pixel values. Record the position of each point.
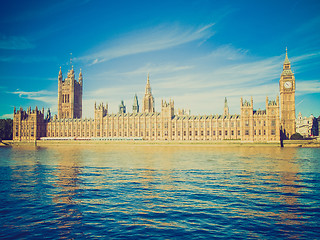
(148, 100)
(135, 106)
(226, 108)
(286, 61)
(135, 101)
(60, 75)
(286, 65)
(148, 88)
(122, 107)
(80, 76)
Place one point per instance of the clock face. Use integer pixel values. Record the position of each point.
(288, 84)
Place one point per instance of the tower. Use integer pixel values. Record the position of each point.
(122, 108)
(28, 125)
(135, 106)
(148, 100)
(226, 108)
(69, 95)
(287, 86)
(167, 110)
(247, 124)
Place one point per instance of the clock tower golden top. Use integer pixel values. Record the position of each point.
(286, 66)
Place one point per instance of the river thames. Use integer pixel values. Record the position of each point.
(159, 192)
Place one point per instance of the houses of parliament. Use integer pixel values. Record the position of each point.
(144, 123)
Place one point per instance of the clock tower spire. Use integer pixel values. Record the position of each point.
(287, 86)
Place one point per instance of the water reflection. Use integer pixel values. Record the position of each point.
(168, 190)
(67, 190)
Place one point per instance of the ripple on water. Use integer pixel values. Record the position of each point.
(168, 193)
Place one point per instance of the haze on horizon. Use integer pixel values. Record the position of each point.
(197, 52)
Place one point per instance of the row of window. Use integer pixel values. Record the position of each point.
(141, 126)
(25, 126)
(259, 123)
(25, 134)
(190, 133)
(165, 125)
(273, 132)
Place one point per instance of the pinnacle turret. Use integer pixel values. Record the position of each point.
(148, 88)
(135, 106)
(80, 76)
(286, 65)
(148, 100)
(286, 61)
(226, 108)
(60, 75)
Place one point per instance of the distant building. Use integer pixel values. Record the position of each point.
(251, 125)
(307, 126)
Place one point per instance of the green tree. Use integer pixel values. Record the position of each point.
(6, 126)
(296, 136)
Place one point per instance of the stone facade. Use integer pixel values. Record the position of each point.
(28, 125)
(307, 126)
(250, 126)
(260, 125)
(69, 96)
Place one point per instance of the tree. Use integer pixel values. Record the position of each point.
(296, 136)
(6, 126)
(315, 127)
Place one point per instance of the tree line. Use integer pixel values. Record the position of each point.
(6, 126)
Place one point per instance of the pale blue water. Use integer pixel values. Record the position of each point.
(154, 192)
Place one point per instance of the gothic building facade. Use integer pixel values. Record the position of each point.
(147, 124)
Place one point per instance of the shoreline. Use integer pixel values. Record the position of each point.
(223, 143)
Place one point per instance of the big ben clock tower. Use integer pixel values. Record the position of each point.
(287, 97)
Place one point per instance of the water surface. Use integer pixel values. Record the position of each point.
(159, 192)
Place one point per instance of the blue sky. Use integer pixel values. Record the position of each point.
(197, 52)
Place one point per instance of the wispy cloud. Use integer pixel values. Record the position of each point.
(226, 52)
(157, 69)
(15, 43)
(9, 115)
(245, 74)
(299, 103)
(306, 87)
(231, 73)
(47, 98)
(305, 57)
(42, 95)
(154, 39)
